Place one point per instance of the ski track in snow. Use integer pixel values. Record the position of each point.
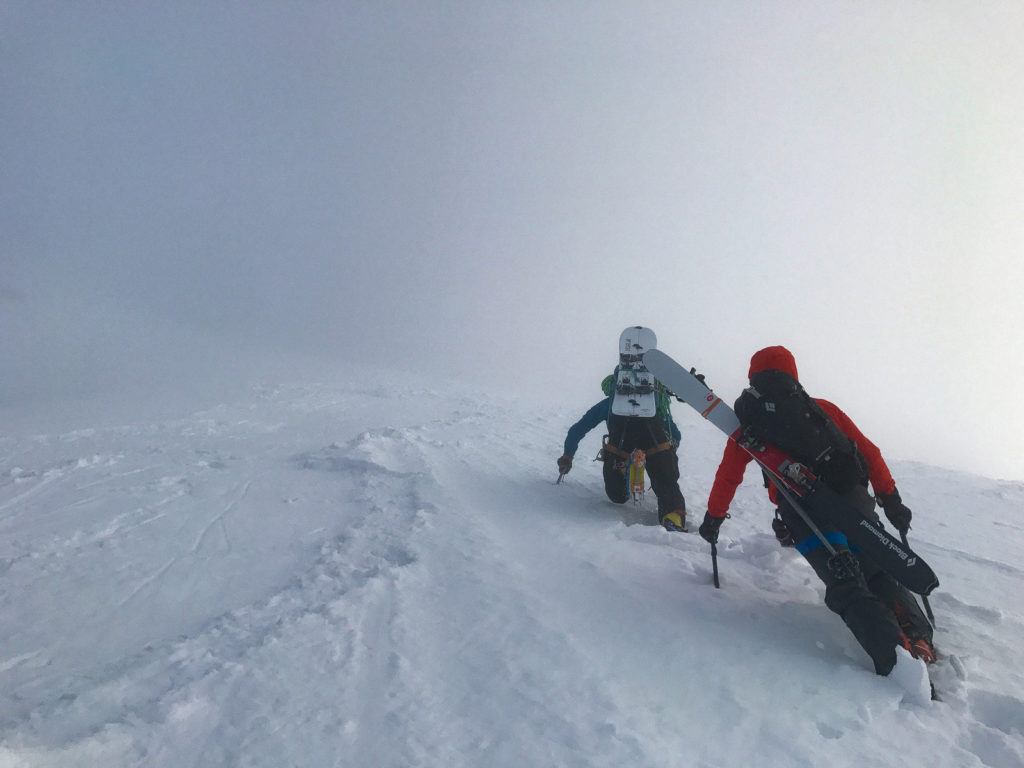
(329, 576)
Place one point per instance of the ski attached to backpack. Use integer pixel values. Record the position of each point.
(814, 499)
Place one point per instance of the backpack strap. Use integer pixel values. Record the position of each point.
(841, 438)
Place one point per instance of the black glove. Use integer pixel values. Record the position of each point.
(709, 528)
(564, 464)
(897, 512)
(782, 533)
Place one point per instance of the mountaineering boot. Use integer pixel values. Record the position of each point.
(916, 629)
(919, 648)
(674, 521)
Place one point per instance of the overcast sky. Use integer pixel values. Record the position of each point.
(495, 190)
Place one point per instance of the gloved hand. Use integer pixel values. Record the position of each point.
(782, 533)
(564, 464)
(709, 528)
(897, 512)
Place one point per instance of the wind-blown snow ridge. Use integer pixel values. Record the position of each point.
(389, 576)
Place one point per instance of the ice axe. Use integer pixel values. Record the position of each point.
(564, 465)
(714, 563)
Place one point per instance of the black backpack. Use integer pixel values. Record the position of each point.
(775, 409)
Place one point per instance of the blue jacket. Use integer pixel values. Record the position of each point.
(601, 412)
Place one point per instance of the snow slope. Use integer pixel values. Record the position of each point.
(386, 575)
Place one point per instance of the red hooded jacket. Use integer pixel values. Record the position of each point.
(735, 459)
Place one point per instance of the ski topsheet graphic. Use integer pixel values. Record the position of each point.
(821, 505)
(634, 393)
(634, 384)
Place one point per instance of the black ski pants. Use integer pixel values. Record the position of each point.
(628, 433)
(869, 600)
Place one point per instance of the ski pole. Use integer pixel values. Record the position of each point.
(927, 607)
(714, 563)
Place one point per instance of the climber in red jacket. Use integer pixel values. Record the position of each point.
(879, 611)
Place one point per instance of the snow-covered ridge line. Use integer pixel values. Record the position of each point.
(388, 575)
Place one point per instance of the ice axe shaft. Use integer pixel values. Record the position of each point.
(714, 564)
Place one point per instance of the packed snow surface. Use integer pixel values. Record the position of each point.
(384, 574)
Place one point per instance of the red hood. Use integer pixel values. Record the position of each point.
(775, 359)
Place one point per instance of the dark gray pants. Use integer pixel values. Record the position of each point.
(872, 603)
(628, 434)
